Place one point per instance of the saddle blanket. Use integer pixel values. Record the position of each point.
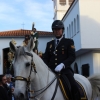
(80, 87)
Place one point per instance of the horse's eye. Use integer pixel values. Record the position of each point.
(27, 64)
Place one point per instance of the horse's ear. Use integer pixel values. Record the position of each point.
(31, 44)
(12, 47)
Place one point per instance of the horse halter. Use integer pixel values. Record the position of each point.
(28, 80)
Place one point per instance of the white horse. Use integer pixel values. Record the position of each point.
(25, 72)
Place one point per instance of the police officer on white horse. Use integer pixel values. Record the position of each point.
(60, 54)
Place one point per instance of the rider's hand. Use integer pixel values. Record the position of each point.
(12, 89)
(59, 67)
(34, 38)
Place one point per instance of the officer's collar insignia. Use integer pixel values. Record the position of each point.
(51, 46)
(72, 46)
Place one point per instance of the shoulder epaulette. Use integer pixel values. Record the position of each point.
(68, 38)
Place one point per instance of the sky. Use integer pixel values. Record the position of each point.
(20, 14)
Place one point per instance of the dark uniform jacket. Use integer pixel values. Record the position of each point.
(63, 53)
(3, 93)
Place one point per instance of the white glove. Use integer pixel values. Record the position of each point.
(59, 67)
(34, 38)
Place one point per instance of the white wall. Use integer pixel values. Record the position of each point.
(59, 10)
(92, 58)
(88, 36)
(42, 43)
(96, 62)
(90, 23)
(68, 19)
(4, 43)
(86, 58)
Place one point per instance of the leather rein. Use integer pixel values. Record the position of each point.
(28, 80)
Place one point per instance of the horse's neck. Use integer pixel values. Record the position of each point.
(43, 75)
(35, 84)
(42, 79)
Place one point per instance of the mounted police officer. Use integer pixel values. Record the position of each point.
(60, 54)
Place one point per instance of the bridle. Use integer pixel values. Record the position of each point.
(32, 66)
(28, 80)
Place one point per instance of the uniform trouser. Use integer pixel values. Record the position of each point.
(74, 88)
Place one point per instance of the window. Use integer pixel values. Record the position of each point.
(62, 2)
(85, 70)
(74, 26)
(77, 23)
(67, 32)
(64, 34)
(72, 29)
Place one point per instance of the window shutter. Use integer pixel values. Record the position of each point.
(85, 70)
(62, 2)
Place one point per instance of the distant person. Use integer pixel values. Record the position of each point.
(10, 85)
(35, 36)
(3, 91)
(26, 40)
(9, 81)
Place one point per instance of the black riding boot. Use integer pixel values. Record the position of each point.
(77, 96)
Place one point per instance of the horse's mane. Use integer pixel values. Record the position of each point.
(39, 60)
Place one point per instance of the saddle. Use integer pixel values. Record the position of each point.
(66, 88)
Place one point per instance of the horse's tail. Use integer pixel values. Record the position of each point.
(95, 83)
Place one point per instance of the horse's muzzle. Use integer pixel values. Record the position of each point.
(20, 96)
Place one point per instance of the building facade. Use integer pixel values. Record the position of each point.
(60, 7)
(82, 24)
(19, 36)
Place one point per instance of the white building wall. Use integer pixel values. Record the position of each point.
(59, 10)
(4, 43)
(59, 15)
(90, 23)
(86, 58)
(96, 62)
(87, 33)
(92, 58)
(42, 43)
(68, 20)
(86, 36)
(62, 7)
